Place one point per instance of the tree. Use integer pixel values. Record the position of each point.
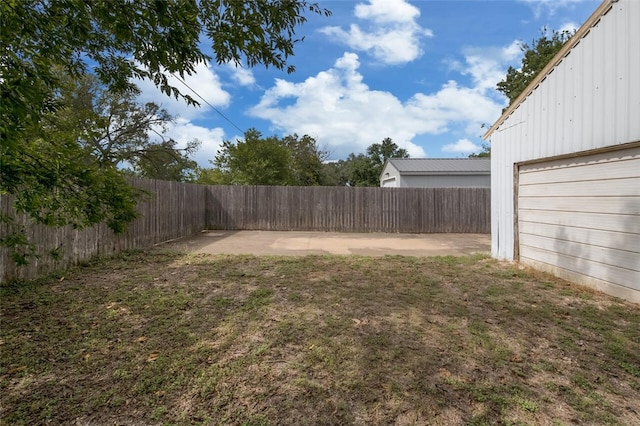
(536, 57)
(127, 40)
(306, 159)
(336, 173)
(117, 131)
(117, 42)
(45, 164)
(166, 162)
(255, 161)
(361, 171)
(100, 131)
(484, 153)
(292, 160)
(58, 178)
(380, 153)
(211, 176)
(365, 170)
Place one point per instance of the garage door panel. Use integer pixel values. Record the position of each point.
(590, 269)
(611, 205)
(600, 254)
(623, 187)
(581, 217)
(582, 172)
(604, 222)
(579, 235)
(623, 154)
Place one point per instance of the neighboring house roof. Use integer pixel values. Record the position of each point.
(426, 166)
(566, 49)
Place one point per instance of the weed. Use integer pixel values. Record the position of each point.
(581, 381)
(256, 421)
(497, 291)
(258, 298)
(159, 412)
(633, 369)
(527, 405)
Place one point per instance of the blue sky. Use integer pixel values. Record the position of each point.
(421, 72)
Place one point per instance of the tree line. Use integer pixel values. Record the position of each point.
(294, 160)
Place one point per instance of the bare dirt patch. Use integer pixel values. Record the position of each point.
(166, 338)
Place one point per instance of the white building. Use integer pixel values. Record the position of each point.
(565, 160)
(436, 173)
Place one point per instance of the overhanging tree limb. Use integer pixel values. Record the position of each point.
(118, 41)
(56, 179)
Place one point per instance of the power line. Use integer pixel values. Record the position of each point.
(206, 102)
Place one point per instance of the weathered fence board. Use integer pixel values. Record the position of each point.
(176, 210)
(172, 210)
(342, 209)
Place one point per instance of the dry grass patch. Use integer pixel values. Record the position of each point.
(164, 338)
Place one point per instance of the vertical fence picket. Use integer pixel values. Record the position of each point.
(175, 210)
(344, 209)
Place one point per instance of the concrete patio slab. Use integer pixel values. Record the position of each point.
(296, 243)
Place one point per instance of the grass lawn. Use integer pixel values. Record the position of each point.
(165, 338)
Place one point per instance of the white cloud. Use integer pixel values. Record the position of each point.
(242, 76)
(455, 105)
(205, 82)
(393, 35)
(486, 66)
(464, 146)
(387, 11)
(183, 131)
(548, 6)
(511, 52)
(569, 27)
(343, 113)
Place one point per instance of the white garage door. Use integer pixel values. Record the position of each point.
(579, 218)
(390, 183)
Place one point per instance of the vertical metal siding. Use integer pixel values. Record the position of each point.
(590, 100)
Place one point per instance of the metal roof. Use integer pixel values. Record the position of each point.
(441, 165)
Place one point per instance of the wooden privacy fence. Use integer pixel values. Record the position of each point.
(344, 209)
(172, 210)
(177, 210)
